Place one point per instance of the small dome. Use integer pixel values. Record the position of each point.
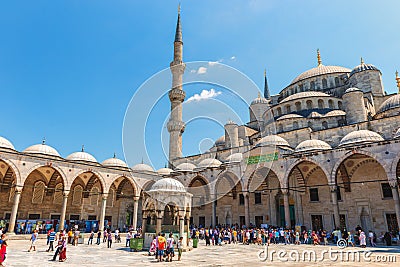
(42, 149)
(289, 116)
(236, 157)
(352, 90)
(220, 141)
(397, 134)
(4, 143)
(272, 140)
(334, 113)
(168, 184)
(360, 136)
(81, 156)
(114, 162)
(164, 171)
(230, 122)
(142, 167)
(259, 100)
(312, 144)
(363, 67)
(314, 114)
(390, 103)
(304, 95)
(320, 70)
(186, 167)
(210, 163)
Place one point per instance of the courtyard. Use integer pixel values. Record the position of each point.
(225, 255)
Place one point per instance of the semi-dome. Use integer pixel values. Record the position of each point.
(220, 141)
(334, 113)
(236, 157)
(397, 134)
(272, 140)
(352, 90)
(210, 163)
(4, 143)
(81, 156)
(289, 116)
(142, 167)
(363, 67)
(114, 162)
(168, 184)
(390, 103)
(360, 136)
(304, 95)
(320, 70)
(186, 167)
(313, 144)
(164, 171)
(314, 114)
(42, 149)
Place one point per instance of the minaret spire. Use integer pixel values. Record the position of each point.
(266, 90)
(175, 125)
(398, 80)
(319, 58)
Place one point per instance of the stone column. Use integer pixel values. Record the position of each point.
(272, 207)
(286, 207)
(159, 221)
(63, 211)
(14, 211)
(144, 223)
(214, 213)
(299, 213)
(181, 225)
(335, 205)
(396, 199)
(187, 228)
(246, 209)
(102, 211)
(135, 212)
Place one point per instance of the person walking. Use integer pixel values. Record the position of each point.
(51, 238)
(76, 237)
(98, 237)
(161, 247)
(63, 251)
(371, 238)
(363, 239)
(170, 248)
(3, 248)
(109, 239)
(33, 240)
(180, 247)
(128, 238)
(90, 240)
(70, 236)
(105, 235)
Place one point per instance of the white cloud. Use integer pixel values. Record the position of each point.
(233, 58)
(205, 94)
(193, 71)
(212, 63)
(201, 70)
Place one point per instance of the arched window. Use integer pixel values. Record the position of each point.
(94, 196)
(320, 103)
(110, 198)
(312, 86)
(280, 128)
(309, 124)
(298, 106)
(324, 125)
(340, 106)
(58, 194)
(337, 82)
(77, 195)
(324, 83)
(38, 192)
(309, 104)
(295, 125)
(288, 109)
(279, 111)
(330, 104)
(301, 88)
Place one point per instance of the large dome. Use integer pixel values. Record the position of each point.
(142, 167)
(391, 102)
(4, 143)
(168, 184)
(42, 149)
(320, 70)
(210, 163)
(185, 167)
(81, 156)
(114, 162)
(312, 144)
(272, 140)
(304, 95)
(360, 136)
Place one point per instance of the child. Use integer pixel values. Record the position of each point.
(180, 245)
(153, 246)
(170, 248)
(33, 239)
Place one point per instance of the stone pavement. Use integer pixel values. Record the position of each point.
(226, 255)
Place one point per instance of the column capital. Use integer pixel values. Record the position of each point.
(285, 191)
(136, 198)
(245, 193)
(333, 188)
(18, 189)
(393, 183)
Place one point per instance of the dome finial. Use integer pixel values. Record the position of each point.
(398, 80)
(114, 155)
(44, 141)
(259, 95)
(319, 57)
(362, 61)
(83, 148)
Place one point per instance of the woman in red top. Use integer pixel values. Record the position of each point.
(3, 249)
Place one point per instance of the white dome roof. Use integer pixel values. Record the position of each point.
(237, 157)
(210, 163)
(164, 171)
(142, 167)
(397, 134)
(336, 112)
(289, 116)
(186, 167)
(304, 95)
(352, 89)
(360, 136)
(42, 149)
(313, 144)
(168, 184)
(314, 114)
(220, 141)
(5, 143)
(391, 102)
(320, 70)
(81, 156)
(114, 162)
(259, 100)
(272, 140)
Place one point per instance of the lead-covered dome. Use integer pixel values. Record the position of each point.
(42, 149)
(313, 144)
(164, 171)
(114, 162)
(4, 143)
(259, 100)
(390, 103)
(81, 156)
(272, 140)
(236, 157)
(290, 116)
(210, 163)
(363, 67)
(304, 95)
(320, 70)
(220, 141)
(360, 136)
(142, 167)
(185, 167)
(168, 184)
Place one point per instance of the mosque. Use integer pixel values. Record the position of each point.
(324, 153)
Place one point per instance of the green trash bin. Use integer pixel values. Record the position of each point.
(136, 244)
(195, 242)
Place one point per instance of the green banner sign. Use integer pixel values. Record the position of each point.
(262, 158)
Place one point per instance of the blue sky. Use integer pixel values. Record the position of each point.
(68, 69)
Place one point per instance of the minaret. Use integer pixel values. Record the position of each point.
(398, 81)
(266, 90)
(175, 125)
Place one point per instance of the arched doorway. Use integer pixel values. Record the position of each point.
(7, 183)
(201, 206)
